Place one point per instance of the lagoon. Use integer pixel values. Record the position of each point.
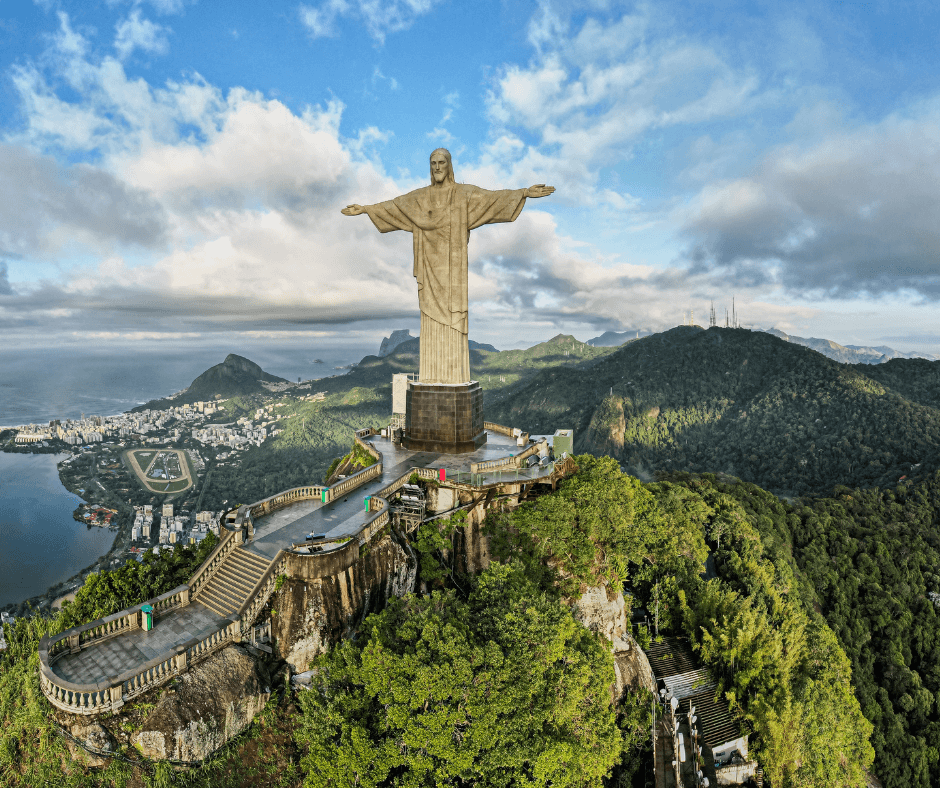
(40, 543)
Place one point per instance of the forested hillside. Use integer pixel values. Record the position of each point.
(869, 560)
(744, 403)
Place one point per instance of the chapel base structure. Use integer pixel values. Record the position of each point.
(444, 418)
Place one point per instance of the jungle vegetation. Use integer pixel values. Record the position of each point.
(743, 403)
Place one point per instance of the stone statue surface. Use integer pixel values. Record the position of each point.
(440, 218)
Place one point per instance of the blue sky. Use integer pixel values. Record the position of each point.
(173, 170)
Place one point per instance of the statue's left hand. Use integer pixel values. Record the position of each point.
(539, 190)
(353, 210)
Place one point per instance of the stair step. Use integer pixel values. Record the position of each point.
(248, 568)
(236, 578)
(231, 588)
(221, 595)
(237, 573)
(264, 563)
(216, 605)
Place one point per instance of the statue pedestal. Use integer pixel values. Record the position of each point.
(446, 418)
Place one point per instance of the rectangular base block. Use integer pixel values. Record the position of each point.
(444, 418)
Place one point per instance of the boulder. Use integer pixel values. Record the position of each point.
(99, 743)
(606, 614)
(205, 707)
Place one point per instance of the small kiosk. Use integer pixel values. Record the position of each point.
(146, 617)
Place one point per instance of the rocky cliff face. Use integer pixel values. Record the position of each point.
(606, 614)
(310, 616)
(209, 704)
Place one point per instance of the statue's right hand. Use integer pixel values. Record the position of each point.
(353, 210)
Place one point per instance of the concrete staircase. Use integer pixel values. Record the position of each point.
(229, 587)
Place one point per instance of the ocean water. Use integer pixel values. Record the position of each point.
(40, 543)
(39, 385)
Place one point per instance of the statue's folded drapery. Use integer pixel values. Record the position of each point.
(441, 234)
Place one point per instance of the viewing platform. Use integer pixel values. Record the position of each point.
(100, 666)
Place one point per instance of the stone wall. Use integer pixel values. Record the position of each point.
(311, 614)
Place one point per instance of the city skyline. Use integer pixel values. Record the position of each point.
(173, 173)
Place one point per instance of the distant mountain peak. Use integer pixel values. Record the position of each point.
(848, 354)
(389, 343)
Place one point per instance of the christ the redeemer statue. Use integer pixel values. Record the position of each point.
(440, 218)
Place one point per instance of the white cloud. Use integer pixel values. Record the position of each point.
(380, 17)
(594, 91)
(136, 33)
(852, 213)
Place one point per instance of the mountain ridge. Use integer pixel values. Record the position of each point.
(235, 376)
(741, 402)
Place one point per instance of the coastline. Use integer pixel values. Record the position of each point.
(42, 603)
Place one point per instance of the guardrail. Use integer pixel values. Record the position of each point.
(260, 593)
(352, 482)
(489, 425)
(282, 499)
(204, 573)
(488, 465)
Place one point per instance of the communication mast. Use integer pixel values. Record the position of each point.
(712, 322)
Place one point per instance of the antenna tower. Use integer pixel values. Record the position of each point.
(711, 317)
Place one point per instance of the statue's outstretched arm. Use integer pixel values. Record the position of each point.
(539, 190)
(353, 210)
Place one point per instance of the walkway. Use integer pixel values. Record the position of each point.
(292, 524)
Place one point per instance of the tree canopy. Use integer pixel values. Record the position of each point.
(503, 689)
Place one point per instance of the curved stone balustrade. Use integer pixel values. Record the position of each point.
(354, 481)
(286, 498)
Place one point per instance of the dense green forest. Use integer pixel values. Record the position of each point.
(743, 403)
(777, 661)
(819, 626)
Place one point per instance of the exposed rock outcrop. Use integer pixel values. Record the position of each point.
(606, 614)
(309, 616)
(94, 737)
(212, 702)
(391, 342)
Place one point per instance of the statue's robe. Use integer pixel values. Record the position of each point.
(441, 235)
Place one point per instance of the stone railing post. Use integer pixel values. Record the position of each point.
(74, 647)
(184, 597)
(240, 536)
(180, 660)
(117, 694)
(235, 631)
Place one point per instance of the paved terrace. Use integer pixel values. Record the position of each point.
(137, 647)
(279, 530)
(293, 523)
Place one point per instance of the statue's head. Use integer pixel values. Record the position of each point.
(441, 167)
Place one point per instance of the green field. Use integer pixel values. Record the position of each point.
(166, 471)
(143, 458)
